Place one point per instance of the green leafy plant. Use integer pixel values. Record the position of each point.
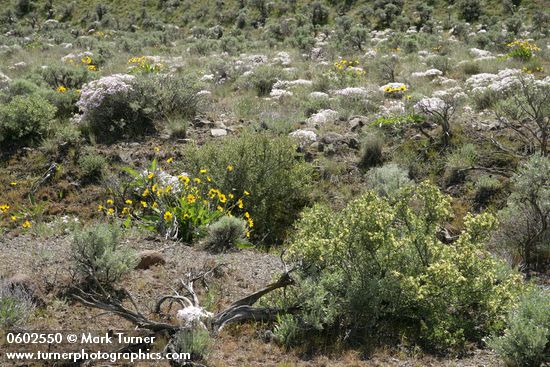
(267, 167)
(24, 119)
(378, 268)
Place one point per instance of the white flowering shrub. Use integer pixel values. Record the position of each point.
(112, 108)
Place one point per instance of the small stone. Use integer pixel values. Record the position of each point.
(332, 138)
(218, 132)
(149, 258)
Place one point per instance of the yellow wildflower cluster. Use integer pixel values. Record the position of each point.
(182, 206)
(527, 70)
(399, 89)
(144, 64)
(523, 44)
(522, 49)
(12, 216)
(87, 60)
(349, 67)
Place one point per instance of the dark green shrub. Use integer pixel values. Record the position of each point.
(526, 339)
(371, 151)
(24, 119)
(470, 10)
(64, 75)
(267, 167)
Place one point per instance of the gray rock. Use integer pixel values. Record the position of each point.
(218, 132)
(332, 138)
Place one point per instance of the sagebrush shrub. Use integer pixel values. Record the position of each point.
(524, 229)
(98, 256)
(526, 339)
(388, 179)
(225, 234)
(16, 306)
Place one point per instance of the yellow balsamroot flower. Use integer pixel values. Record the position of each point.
(197, 180)
(13, 183)
(157, 149)
(168, 216)
(230, 168)
(186, 216)
(4, 208)
(110, 201)
(154, 188)
(26, 224)
(144, 204)
(247, 234)
(168, 189)
(61, 89)
(145, 193)
(110, 211)
(184, 179)
(250, 223)
(219, 208)
(92, 67)
(154, 204)
(129, 202)
(247, 215)
(13, 218)
(203, 170)
(150, 176)
(246, 193)
(170, 160)
(100, 208)
(240, 203)
(222, 198)
(191, 198)
(231, 196)
(86, 60)
(125, 211)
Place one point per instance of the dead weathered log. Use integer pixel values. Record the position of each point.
(112, 305)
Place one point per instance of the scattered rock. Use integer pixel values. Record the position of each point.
(216, 133)
(332, 138)
(149, 258)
